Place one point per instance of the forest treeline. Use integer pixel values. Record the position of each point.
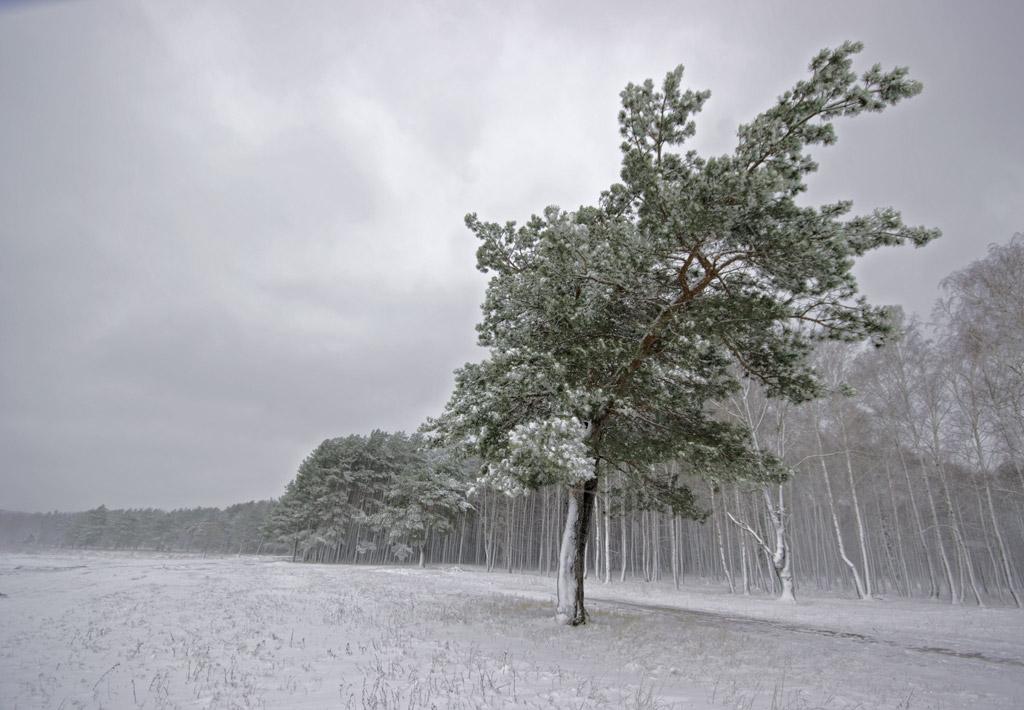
(234, 529)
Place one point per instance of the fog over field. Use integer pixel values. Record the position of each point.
(454, 355)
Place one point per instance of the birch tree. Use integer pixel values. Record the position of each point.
(983, 319)
(753, 411)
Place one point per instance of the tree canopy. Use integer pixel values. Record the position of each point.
(612, 327)
(390, 485)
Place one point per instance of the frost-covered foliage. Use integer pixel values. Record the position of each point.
(423, 496)
(542, 452)
(351, 490)
(633, 315)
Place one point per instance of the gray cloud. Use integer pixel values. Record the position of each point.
(232, 230)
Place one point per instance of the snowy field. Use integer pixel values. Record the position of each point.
(150, 631)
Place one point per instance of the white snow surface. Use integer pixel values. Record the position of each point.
(98, 630)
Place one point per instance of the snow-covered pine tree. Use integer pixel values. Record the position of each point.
(423, 496)
(611, 328)
(387, 485)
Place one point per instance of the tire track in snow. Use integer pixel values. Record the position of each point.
(753, 622)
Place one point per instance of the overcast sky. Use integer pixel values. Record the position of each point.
(232, 230)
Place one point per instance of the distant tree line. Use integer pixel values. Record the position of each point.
(235, 529)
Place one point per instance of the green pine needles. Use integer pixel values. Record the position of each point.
(613, 328)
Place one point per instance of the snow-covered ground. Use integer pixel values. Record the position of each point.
(120, 631)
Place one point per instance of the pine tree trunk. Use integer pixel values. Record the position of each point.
(509, 520)
(543, 531)
(462, 539)
(607, 536)
(622, 531)
(656, 545)
(675, 552)
(570, 609)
